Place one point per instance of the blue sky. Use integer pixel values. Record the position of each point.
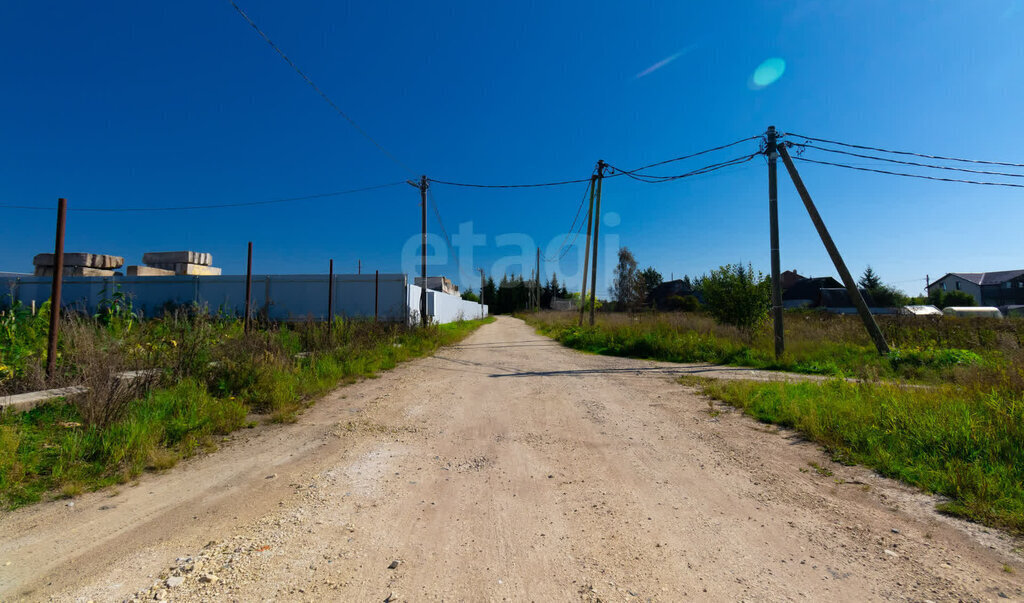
(134, 104)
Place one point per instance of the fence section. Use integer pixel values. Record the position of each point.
(281, 297)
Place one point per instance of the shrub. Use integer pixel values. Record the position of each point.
(737, 296)
(682, 303)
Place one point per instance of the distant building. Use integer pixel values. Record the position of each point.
(838, 300)
(659, 297)
(1004, 288)
(790, 278)
(806, 292)
(438, 283)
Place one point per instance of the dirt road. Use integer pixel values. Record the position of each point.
(507, 468)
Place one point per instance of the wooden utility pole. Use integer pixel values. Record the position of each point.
(773, 219)
(330, 297)
(537, 285)
(376, 293)
(597, 227)
(55, 289)
(248, 291)
(481, 292)
(833, 252)
(423, 250)
(586, 252)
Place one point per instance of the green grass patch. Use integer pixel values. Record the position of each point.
(964, 444)
(828, 345)
(52, 450)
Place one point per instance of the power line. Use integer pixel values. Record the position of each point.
(913, 163)
(444, 232)
(212, 206)
(877, 171)
(559, 183)
(618, 172)
(718, 148)
(703, 170)
(926, 156)
(318, 90)
(563, 250)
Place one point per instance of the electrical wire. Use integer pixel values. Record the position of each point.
(212, 206)
(318, 90)
(926, 156)
(564, 250)
(719, 148)
(444, 232)
(913, 163)
(703, 170)
(559, 183)
(877, 171)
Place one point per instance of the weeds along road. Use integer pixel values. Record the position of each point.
(507, 467)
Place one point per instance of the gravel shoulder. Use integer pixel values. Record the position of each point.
(509, 467)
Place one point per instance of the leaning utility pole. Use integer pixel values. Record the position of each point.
(833, 252)
(597, 226)
(773, 218)
(55, 289)
(586, 252)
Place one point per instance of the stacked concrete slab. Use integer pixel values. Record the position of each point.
(78, 264)
(167, 263)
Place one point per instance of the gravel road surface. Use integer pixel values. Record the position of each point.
(508, 468)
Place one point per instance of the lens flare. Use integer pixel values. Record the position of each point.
(767, 73)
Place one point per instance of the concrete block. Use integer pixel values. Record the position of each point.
(87, 260)
(154, 258)
(73, 271)
(148, 271)
(189, 269)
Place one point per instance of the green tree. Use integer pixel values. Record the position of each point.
(468, 295)
(869, 280)
(650, 279)
(627, 288)
(884, 296)
(945, 299)
(737, 295)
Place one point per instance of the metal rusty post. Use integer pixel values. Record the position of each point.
(833, 252)
(597, 226)
(248, 290)
(586, 252)
(773, 218)
(330, 297)
(376, 293)
(55, 289)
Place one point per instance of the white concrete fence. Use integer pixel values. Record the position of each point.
(279, 297)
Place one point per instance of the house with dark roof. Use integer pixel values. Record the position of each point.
(807, 292)
(790, 278)
(837, 300)
(659, 297)
(1003, 288)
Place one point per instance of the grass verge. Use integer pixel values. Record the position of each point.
(219, 377)
(934, 351)
(965, 445)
